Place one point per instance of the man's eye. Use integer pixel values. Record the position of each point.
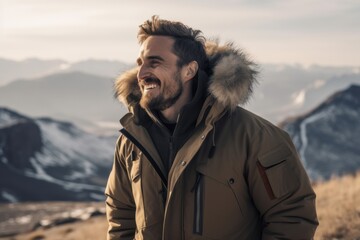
(154, 64)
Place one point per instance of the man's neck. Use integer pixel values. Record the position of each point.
(171, 114)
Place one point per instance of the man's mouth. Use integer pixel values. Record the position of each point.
(150, 84)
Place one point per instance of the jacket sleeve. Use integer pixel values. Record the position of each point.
(280, 187)
(120, 206)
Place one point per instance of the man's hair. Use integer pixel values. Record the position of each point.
(188, 45)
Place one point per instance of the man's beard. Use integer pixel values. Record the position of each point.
(164, 99)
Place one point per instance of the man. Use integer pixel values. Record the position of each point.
(191, 163)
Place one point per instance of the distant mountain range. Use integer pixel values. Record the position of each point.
(328, 137)
(30, 68)
(44, 159)
(34, 68)
(82, 92)
(290, 90)
(75, 96)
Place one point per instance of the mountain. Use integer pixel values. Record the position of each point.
(45, 159)
(327, 138)
(289, 90)
(104, 68)
(33, 68)
(73, 96)
(29, 69)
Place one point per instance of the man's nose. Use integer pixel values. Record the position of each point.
(143, 72)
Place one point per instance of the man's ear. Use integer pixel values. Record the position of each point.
(190, 70)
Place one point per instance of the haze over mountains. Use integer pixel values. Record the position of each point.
(82, 92)
(290, 90)
(75, 96)
(34, 68)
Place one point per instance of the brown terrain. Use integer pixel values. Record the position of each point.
(338, 206)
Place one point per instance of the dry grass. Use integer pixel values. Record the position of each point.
(338, 206)
(92, 229)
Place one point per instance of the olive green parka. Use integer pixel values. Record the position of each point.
(236, 176)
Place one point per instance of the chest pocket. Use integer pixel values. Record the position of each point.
(278, 172)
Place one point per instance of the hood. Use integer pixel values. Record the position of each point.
(232, 76)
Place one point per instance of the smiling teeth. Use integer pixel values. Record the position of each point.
(151, 86)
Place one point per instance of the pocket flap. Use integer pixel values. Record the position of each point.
(212, 173)
(278, 172)
(274, 157)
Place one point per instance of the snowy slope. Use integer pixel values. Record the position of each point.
(45, 159)
(327, 138)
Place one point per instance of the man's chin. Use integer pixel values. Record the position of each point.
(153, 105)
(147, 103)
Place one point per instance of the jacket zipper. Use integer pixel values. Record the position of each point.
(148, 156)
(198, 209)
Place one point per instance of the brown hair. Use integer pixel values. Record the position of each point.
(188, 45)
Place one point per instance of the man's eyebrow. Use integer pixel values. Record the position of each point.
(139, 60)
(155, 58)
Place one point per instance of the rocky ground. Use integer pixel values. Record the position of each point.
(35, 221)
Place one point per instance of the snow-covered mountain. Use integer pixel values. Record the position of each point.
(44, 159)
(328, 137)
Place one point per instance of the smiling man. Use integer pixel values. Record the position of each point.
(165, 86)
(191, 163)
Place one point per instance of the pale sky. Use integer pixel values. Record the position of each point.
(325, 32)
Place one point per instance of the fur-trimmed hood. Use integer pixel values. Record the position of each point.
(232, 76)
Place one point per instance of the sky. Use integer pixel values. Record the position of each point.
(306, 32)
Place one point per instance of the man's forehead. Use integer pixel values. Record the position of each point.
(156, 45)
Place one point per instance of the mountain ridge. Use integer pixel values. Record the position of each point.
(327, 137)
(74, 96)
(45, 159)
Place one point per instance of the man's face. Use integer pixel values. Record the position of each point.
(159, 77)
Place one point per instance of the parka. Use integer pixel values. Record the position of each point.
(237, 176)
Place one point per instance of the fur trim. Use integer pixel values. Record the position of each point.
(232, 76)
(127, 89)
